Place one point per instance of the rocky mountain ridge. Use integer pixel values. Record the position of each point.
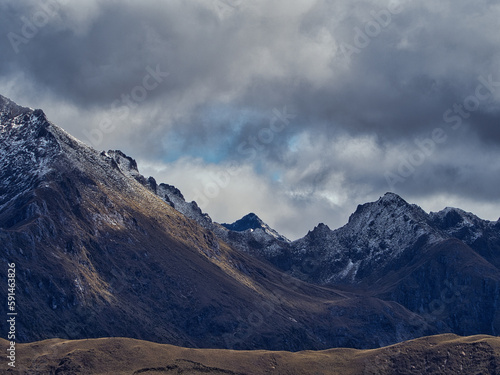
(246, 234)
(376, 234)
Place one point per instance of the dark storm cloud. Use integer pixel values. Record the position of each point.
(426, 58)
(95, 65)
(366, 80)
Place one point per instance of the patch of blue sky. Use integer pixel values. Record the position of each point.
(294, 142)
(206, 141)
(276, 176)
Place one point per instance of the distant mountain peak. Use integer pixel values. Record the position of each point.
(251, 222)
(389, 205)
(393, 199)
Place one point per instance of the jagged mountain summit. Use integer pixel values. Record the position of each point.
(378, 234)
(247, 234)
(251, 223)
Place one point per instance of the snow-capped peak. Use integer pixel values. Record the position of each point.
(251, 222)
(377, 233)
(389, 211)
(392, 199)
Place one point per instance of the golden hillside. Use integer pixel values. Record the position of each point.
(442, 354)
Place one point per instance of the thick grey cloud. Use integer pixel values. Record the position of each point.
(368, 83)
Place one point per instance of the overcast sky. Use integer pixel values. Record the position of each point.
(295, 110)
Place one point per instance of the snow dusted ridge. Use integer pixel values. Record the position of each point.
(244, 234)
(30, 144)
(378, 236)
(37, 158)
(169, 193)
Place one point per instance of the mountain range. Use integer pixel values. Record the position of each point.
(102, 251)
